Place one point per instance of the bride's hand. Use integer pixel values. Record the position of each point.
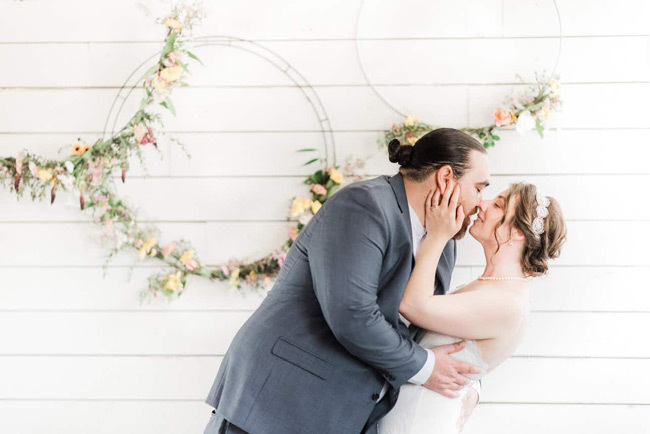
(443, 215)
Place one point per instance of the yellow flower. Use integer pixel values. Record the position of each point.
(315, 206)
(171, 73)
(174, 24)
(411, 120)
(336, 176)
(159, 85)
(252, 276)
(546, 111)
(234, 277)
(299, 206)
(411, 140)
(173, 281)
(45, 174)
(555, 86)
(148, 245)
(187, 255)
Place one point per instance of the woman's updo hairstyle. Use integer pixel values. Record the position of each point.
(538, 249)
(437, 148)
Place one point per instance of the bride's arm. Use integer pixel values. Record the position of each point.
(479, 314)
(469, 315)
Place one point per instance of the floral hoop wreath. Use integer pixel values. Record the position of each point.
(89, 170)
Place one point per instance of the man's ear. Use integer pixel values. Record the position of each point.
(444, 176)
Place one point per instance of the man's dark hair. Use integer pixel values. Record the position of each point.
(437, 148)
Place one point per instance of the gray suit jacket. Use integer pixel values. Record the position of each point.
(315, 354)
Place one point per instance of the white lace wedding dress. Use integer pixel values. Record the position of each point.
(422, 411)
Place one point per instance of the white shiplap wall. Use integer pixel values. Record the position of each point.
(79, 354)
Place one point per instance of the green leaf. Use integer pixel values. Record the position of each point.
(193, 56)
(150, 71)
(169, 44)
(171, 105)
(310, 161)
(540, 127)
(306, 150)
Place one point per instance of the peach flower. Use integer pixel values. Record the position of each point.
(503, 117)
(293, 233)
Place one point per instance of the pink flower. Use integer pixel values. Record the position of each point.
(19, 163)
(143, 134)
(293, 233)
(279, 256)
(172, 57)
(168, 249)
(318, 189)
(225, 270)
(191, 264)
(95, 176)
(140, 131)
(267, 279)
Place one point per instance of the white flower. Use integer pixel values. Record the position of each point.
(525, 122)
(69, 166)
(305, 218)
(67, 181)
(33, 168)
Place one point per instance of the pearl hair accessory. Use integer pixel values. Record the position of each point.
(542, 211)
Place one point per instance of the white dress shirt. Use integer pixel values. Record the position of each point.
(421, 377)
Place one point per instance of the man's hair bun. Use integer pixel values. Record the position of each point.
(398, 153)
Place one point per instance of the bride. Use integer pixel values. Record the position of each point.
(520, 230)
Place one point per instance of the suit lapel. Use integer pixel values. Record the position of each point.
(443, 272)
(397, 184)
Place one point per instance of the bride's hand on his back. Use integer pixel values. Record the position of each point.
(443, 215)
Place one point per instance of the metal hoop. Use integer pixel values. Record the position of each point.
(259, 50)
(381, 97)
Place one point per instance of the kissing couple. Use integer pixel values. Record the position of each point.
(360, 332)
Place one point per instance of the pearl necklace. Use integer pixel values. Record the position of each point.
(502, 278)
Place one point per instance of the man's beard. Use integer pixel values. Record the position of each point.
(463, 229)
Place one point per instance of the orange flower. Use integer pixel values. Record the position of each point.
(503, 117)
(78, 148)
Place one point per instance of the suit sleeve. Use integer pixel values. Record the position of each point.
(346, 252)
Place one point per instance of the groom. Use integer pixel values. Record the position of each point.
(327, 351)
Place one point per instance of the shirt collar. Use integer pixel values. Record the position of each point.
(415, 223)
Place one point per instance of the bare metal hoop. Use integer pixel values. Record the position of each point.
(256, 49)
(385, 101)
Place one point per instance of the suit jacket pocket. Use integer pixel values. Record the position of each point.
(302, 358)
